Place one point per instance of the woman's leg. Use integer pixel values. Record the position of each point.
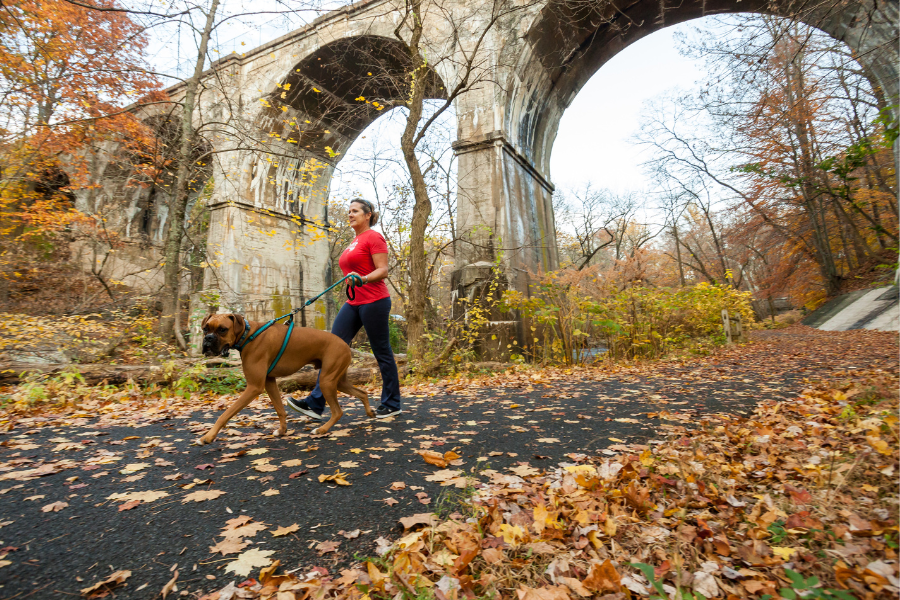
(346, 325)
(374, 318)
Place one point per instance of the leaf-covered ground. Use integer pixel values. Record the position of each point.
(728, 475)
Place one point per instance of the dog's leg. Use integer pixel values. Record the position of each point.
(346, 387)
(247, 396)
(275, 396)
(329, 391)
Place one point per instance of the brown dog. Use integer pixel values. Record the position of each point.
(324, 350)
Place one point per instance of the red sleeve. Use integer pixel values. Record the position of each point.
(377, 244)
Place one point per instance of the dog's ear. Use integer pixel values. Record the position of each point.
(238, 327)
(205, 319)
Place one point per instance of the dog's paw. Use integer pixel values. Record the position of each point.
(199, 442)
(279, 432)
(371, 414)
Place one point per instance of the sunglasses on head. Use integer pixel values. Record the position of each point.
(365, 203)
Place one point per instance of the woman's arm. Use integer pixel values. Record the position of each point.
(381, 268)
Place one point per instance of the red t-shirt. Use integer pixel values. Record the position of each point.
(358, 257)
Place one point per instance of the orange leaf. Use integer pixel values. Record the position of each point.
(603, 577)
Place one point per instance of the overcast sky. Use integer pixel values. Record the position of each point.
(593, 140)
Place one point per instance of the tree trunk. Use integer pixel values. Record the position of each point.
(678, 254)
(418, 288)
(818, 219)
(172, 253)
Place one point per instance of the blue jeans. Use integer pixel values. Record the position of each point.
(374, 317)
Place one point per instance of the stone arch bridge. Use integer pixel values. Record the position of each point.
(312, 91)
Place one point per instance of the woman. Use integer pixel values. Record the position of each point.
(367, 258)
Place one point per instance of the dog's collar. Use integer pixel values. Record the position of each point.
(239, 345)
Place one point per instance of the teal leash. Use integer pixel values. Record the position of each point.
(241, 344)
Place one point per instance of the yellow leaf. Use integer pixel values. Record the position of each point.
(609, 528)
(511, 533)
(540, 518)
(784, 552)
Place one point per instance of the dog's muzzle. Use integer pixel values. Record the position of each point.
(210, 341)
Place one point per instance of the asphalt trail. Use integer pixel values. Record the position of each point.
(55, 554)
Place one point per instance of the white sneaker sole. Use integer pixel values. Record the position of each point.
(397, 412)
(305, 413)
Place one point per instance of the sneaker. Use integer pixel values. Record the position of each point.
(303, 408)
(382, 412)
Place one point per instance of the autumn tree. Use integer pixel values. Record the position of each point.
(67, 73)
(790, 130)
(591, 219)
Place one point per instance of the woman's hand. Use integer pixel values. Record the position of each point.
(355, 279)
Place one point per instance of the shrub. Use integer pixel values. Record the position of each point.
(572, 314)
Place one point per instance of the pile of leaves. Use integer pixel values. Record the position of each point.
(124, 336)
(797, 499)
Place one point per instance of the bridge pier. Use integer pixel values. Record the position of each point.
(507, 235)
(267, 243)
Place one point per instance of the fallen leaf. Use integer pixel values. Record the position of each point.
(704, 583)
(550, 592)
(284, 530)
(134, 468)
(229, 546)
(603, 577)
(326, 547)
(248, 561)
(248, 530)
(142, 496)
(337, 477)
(170, 586)
(202, 495)
(444, 475)
(271, 492)
(55, 507)
(784, 552)
(107, 584)
(418, 519)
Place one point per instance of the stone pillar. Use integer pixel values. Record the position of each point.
(505, 210)
(507, 230)
(267, 246)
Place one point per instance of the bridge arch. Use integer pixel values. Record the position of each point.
(317, 90)
(568, 42)
(341, 88)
